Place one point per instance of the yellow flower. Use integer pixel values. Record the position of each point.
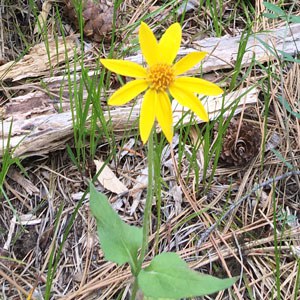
(161, 78)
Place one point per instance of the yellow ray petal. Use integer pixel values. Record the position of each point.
(123, 67)
(169, 44)
(198, 85)
(128, 92)
(187, 62)
(189, 100)
(163, 111)
(149, 45)
(147, 114)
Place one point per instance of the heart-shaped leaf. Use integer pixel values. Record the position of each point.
(119, 241)
(168, 276)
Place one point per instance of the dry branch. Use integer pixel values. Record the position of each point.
(46, 133)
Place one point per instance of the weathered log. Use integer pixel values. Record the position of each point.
(46, 133)
(222, 52)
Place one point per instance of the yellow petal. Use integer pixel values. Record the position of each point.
(189, 100)
(169, 43)
(128, 92)
(188, 61)
(148, 43)
(147, 114)
(123, 67)
(198, 85)
(163, 111)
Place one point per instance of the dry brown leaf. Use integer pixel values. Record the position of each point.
(108, 179)
(176, 193)
(138, 188)
(273, 142)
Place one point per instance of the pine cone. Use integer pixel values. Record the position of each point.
(97, 17)
(240, 150)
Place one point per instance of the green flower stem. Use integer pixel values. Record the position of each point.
(147, 213)
(157, 188)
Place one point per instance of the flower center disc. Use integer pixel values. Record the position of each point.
(160, 76)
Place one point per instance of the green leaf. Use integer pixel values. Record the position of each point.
(119, 241)
(279, 155)
(288, 108)
(274, 8)
(152, 298)
(270, 16)
(288, 57)
(294, 19)
(267, 46)
(168, 276)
